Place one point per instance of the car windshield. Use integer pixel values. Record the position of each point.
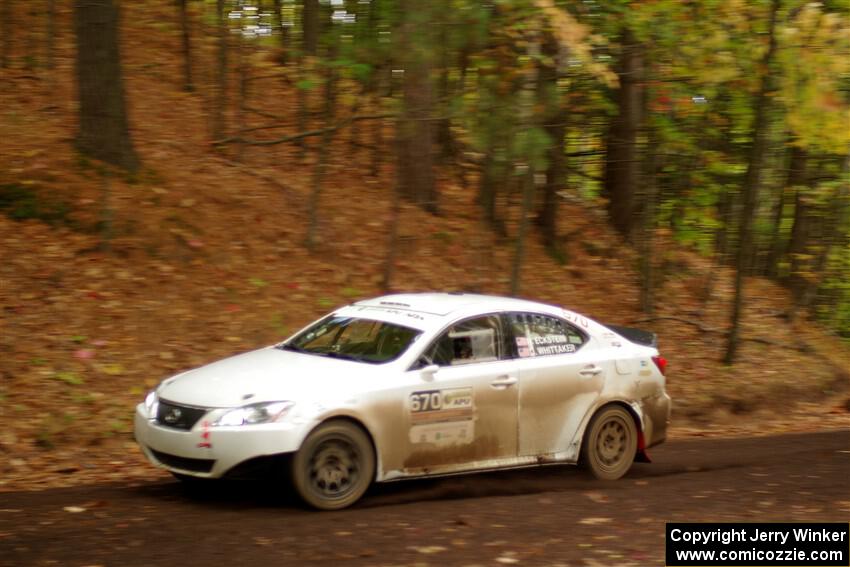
(363, 340)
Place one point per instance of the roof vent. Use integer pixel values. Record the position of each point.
(394, 303)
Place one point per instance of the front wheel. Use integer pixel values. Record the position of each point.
(334, 466)
(610, 443)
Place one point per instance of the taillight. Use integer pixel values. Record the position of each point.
(661, 363)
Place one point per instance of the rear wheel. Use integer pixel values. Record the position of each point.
(334, 466)
(610, 443)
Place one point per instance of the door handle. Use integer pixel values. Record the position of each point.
(503, 382)
(591, 370)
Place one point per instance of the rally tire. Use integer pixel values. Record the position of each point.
(334, 466)
(610, 443)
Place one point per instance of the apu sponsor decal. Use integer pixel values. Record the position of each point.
(441, 405)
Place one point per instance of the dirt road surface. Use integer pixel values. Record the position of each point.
(542, 516)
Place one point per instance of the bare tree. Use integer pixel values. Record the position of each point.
(186, 44)
(51, 34)
(798, 242)
(621, 163)
(219, 122)
(6, 29)
(392, 244)
(556, 128)
(31, 37)
(284, 32)
(752, 180)
(324, 149)
(310, 27)
(415, 128)
(526, 110)
(103, 127)
(647, 242)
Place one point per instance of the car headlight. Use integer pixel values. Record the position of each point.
(266, 412)
(152, 403)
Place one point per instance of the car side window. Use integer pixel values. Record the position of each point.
(542, 335)
(480, 339)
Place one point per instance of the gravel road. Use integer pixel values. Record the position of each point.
(543, 516)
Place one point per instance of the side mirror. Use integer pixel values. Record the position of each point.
(427, 373)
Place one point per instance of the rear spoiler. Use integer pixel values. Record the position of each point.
(645, 338)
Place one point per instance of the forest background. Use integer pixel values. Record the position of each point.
(183, 180)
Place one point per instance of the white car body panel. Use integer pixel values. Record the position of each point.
(496, 414)
(262, 375)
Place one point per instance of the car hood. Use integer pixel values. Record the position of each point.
(268, 374)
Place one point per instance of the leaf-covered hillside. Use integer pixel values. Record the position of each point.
(574, 153)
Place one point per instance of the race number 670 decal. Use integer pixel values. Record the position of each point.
(429, 400)
(441, 400)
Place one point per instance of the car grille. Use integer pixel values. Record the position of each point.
(184, 463)
(178, 417)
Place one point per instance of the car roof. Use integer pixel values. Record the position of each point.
(445, 304)
(432, 311)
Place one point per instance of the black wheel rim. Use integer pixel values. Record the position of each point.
(612, 442)
(334, 468)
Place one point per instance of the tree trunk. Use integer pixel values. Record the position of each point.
(284, 32)
(51, 35)
(650, 198)
(31, 40)
(309, 50)
(103, 130)
(799, 241)
(752, 181)
(415, 129)
(445, 140)
(50, 56)
(555, 175)
(825, 228)
(526, 110)
(304, 64)
(383, 82)
(310, 28)
(556, 128)
(324, 150)
(186, 46)
(106, 214)
(392, 243)
(377, 143)
(622, 169)
(839, 239)
(7, 28)
(220, 105)
(488, 190)
(244, 80)
(528, 182)
(377, 133)
(354, 144)
(774, 254)
(725, 211)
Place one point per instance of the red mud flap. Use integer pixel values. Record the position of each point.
(641, 456)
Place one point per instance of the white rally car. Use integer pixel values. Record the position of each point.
(416, 385)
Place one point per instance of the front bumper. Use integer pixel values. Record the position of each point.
(210, 452)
